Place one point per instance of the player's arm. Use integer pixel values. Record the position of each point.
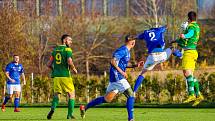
(131, 65)
(8, 76)
(49, 64)
(187, 35)
(113, 62)
(71, 65)
(23, 77)
(7, 73)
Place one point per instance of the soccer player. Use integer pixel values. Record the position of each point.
(188, 41)
(155, 43)
(13, 72)
(118, 82)
(60, 63)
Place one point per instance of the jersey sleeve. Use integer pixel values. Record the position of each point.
(8, 67)
(118, 54)
(68, 52)
(22, 69)
(163, 29)
(141, 36)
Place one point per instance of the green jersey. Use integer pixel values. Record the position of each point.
(190, 43)
(60, 65)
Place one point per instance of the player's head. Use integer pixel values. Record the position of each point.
(130, 40)
(191, 16)
(66, 39)
(16, 58)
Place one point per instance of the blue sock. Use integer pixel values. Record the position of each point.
(130, 107)
(16, 102)
(138, 82)
(95, 102)
(6, 100)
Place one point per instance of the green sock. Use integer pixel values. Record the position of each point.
(190, 83)
(71, 105)
(54, 102)
(196, 86)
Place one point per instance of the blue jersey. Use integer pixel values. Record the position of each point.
(154, 38)
(122, 56)
(15, 72)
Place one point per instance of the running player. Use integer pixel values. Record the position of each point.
(118, 82)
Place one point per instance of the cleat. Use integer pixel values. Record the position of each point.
(49, 116)
(16, 110)
(199, 99)
(190, 99)
(70, 117)
(3, 108)
(82, 111)
(131, 120)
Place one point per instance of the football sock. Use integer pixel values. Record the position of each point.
(190, 83)
(54, 102)
(95, 102)
(130, 107)
(71, 105)
(196, 86)
(6, 100)
(138, 82)
(16, 102)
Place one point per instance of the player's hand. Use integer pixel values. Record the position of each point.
(125, 75)
(134, 94)
(182, 36)
(12, 80)
(75, 70)
(24, 82)
(140, 64)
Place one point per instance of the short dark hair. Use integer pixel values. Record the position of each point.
(15, 55)
(192, 16)
(129, 38)
(64, 36)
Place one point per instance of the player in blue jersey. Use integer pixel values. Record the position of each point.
(155, 43)
(13, 72)
(118, 82)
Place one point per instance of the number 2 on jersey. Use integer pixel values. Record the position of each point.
(58, 58)
(152, 36)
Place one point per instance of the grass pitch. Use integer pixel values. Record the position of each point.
(112, 114)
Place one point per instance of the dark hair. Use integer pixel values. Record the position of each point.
(15, 55)
(129, 38)
(64, 36)
(192, 16)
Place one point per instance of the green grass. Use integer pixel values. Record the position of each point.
(113, 114)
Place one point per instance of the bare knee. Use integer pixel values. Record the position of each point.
(17, 94)
(187, 73)
(71, 95)
(110, 96)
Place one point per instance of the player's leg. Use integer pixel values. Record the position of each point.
(149, 64)
(199, 96)
(130, 103)
(17, 90)
(55, 101)
(188, 65)
(103, 99)
(68, 87)
(8, 96)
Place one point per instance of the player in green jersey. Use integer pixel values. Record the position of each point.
(60, 63)
(188, 42)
